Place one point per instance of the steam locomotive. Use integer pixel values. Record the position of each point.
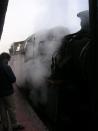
(65, 95)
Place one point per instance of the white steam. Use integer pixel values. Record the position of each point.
(34, 66)
(39, 51)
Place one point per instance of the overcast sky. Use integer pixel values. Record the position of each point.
(25, 17)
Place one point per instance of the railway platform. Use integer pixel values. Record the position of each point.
(26, 115)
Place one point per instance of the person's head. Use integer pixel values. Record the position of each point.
(84, 16)
(5, 57)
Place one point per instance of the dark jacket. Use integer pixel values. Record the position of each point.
(7, 77)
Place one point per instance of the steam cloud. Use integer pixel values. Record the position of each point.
(40, 51)
(34, 67)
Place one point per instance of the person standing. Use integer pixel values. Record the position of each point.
(7, 79)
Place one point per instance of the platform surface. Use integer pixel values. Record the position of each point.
(26, 115)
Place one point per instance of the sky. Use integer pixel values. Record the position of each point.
(26, 17)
